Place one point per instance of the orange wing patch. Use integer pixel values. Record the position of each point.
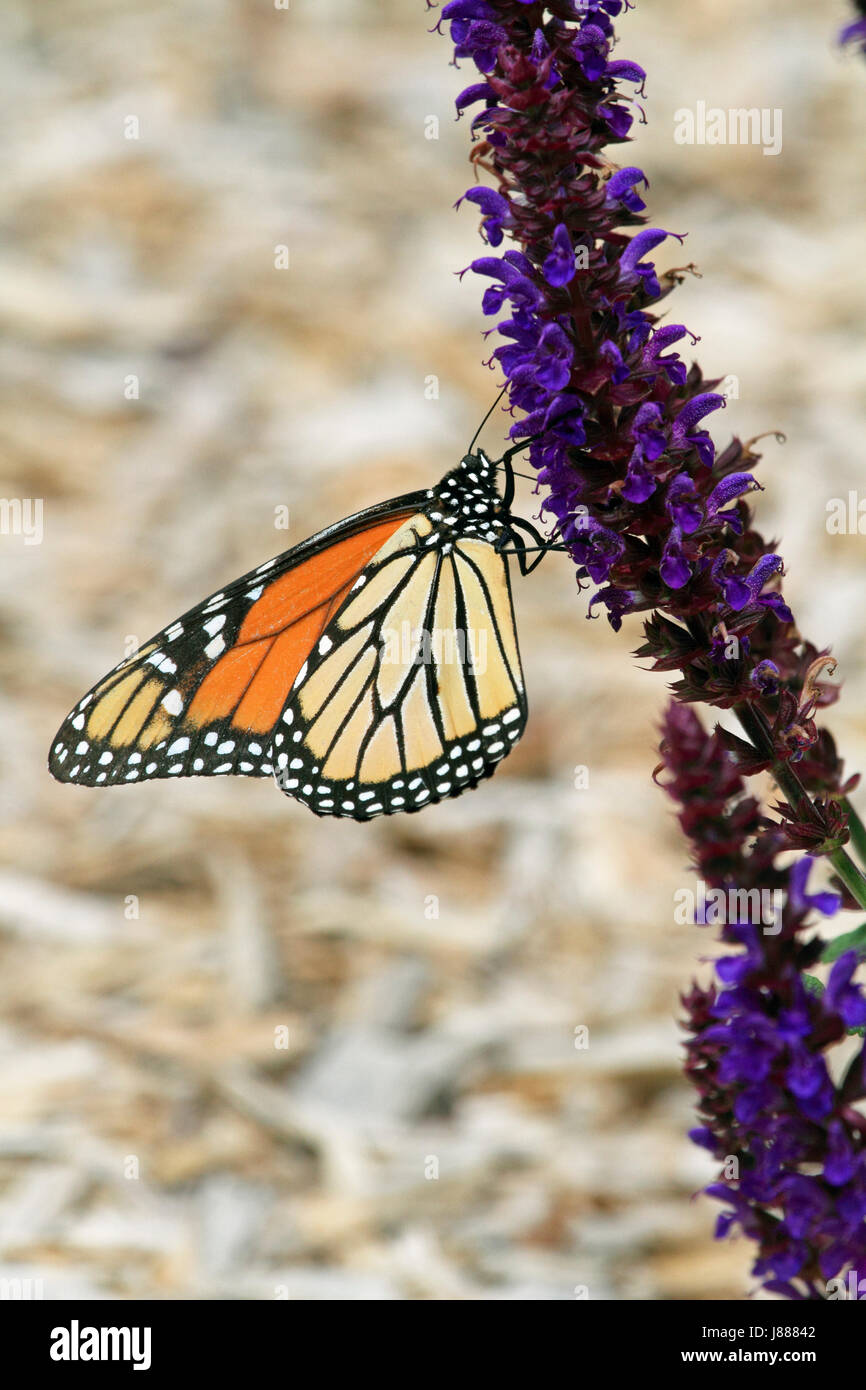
(252, 681)
(203, 696)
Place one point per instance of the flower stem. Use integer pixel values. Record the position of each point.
(799, 800)
(850, 875)
(858, 831)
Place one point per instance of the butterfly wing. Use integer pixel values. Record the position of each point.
(414, 691)
(203, 696)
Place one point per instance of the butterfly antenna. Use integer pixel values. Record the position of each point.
(486, 418)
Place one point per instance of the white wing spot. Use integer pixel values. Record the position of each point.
(173, 702)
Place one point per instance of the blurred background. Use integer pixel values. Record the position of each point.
(245, 1053)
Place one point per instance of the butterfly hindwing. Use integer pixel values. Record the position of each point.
(203, 696)
(414, 691)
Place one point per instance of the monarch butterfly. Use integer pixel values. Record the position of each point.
(325, 667)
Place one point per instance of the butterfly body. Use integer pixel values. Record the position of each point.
(370, 670)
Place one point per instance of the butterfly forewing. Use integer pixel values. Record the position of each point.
(414, 691)
(203, 697)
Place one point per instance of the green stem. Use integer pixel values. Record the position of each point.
(850, 875)
(799, 800)
(858, 831)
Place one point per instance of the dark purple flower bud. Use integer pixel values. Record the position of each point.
(705, 1138)
(855, 33)
(736, 591)
(760, 573)
(840, 1165)
(610, 353)
(734, 485)
(645, 429)
(477, 39)
(801, 901)
(467, 9)
(496, 209)
(618, 602)
(805, 1205)
(681, 503)
(624, 71)
(514, 286)
(619, 119)
(620, 188)
(654, 359)
(594, 546)
(675, 570)
(684, 431)
(559, 266)
(751, 1103)
(806, 1074)
(639, 483)
(777, 605)
(540, 47)
(590, 49)
(844, 997)
(740, 592)
(631, 271)
(766, 677)
(478, 91)
(851, 1203)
